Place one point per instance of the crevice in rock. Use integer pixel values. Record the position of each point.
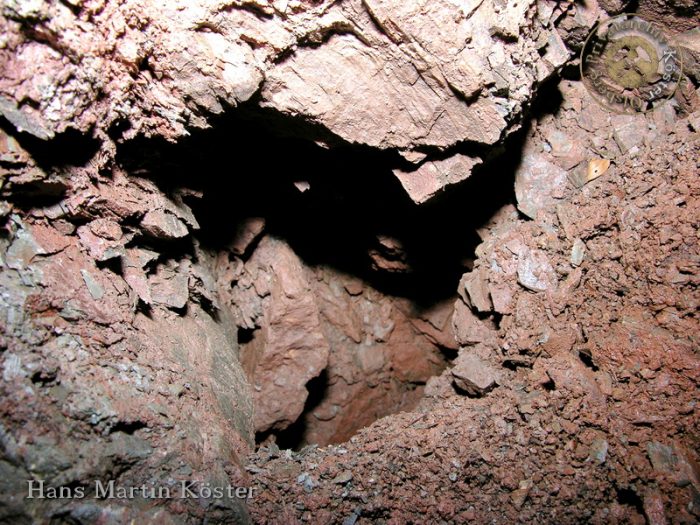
(378, 272)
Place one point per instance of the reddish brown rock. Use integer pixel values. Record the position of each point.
(474, 289)
(101, 247)
(473, 375)
(469, 329)
(434, 176)
(163, 225)
(535, 272)
(290, 348)
(389, 255)
(538, 184)
(169, 285)
(654, 508)
(247, 233)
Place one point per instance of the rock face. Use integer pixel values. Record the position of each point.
(584, 316)
(374, 352)
(118, 347)
(146, 338)
(392, 74)
(386, 74)
(290, 349)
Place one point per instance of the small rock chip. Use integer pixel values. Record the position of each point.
(163, 225)
(520, 494)
(96, 291)
(654, 508)
(661, 456)
(579, 175)
(106, 228)
(599, 451)
(302, 185)
(431, 177)
(307, 481)
(535, 271)
(538, 184)
(477, 291)
(169, 286)
(100, 248)
(629, 131)
(25, 119)
(578, 251)
(473, 376)
(343, 478)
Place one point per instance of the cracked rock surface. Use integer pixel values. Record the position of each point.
(406, 76)
(378, 261)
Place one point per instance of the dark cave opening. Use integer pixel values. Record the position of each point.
(314, 193)
(338, 219)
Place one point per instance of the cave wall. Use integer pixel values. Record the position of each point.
(573, 331)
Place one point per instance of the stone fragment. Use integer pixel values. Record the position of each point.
(579, 175)
(412, 156)
(434, 323)
(567, 150)
(653, 504)
(302, 185)
(433, 176)
(343, 478)
(477, 290)
(578, 251)
(570, 374)
(520, 494)
(104, 246)
(502, 296)
(354, 286)
(24, 119)
(473, 375)
(535, 272)
(23, 249)
(247, 232)
(629, 131)
(674, 461)
(307, 481)
(163, 225)
(599, 451)
(538, 184)
(169, 285)
(556, 54)
(95, 289)
(51, 238)
(11, 152)
(106, 229)
(468, 328)
(133, 263)
(202, 286)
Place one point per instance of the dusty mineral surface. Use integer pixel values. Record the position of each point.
(372, 261)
